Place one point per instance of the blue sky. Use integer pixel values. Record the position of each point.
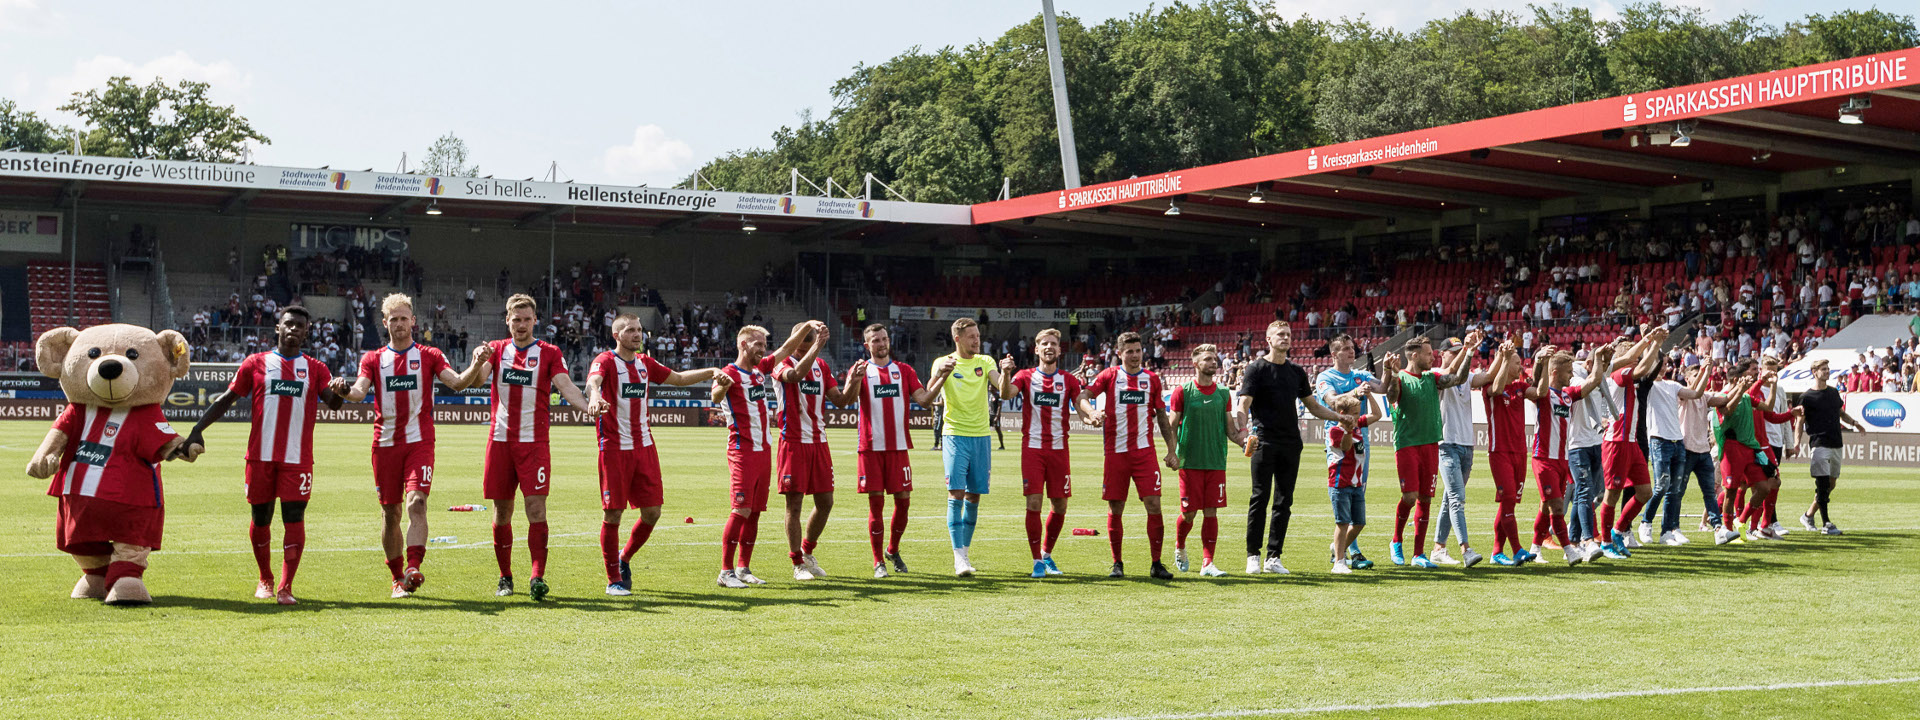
(615, 92)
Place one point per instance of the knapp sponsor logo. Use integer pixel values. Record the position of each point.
(1884, 412)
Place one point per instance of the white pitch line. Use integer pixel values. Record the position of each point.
(1427, 704)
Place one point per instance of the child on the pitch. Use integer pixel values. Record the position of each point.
(1204, 427)
(1345, 486)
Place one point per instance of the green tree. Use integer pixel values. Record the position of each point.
(448, 156)
(1845, 34)
(938, 155)
(27, 132)
(161, 121)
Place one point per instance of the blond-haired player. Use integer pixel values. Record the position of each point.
(400, 377)
(745, 393)
(1048, 396)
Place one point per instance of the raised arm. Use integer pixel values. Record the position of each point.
(1393, 383)
(719, 390)
(1696, 389)
(798, 371)
(683, 378)
(477, 368)
(794, 341)
(1537, 387)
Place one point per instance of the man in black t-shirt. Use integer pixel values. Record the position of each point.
(1826, 411)
(1271, 391)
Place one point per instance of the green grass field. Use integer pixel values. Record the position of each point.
(1611, 640)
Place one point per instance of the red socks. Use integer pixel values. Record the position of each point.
(1055, 521)
(1420, 525)
(1631, 511)
(1181, 528)
(641, 531)
(503, 549)
(1209, 534)
(609, 545)
(1400, 518)
(537, 547)
(899, 524)
(1113, 535)
(393, 565)
(416, 554)
(1559, 523)
(1606, 522)
(1033, 533)
(808, 546)
(296, 542)
(262, 539)
(1156, 532)
(795, 557)
(876, 503)
(749, 532)
(729, 541)
(1541, 526)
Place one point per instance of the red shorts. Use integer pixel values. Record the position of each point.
(1738, 469)
(750, 473)
(1202, 489)
(1141, 466)
(401, 469)
(1417, 466)
(90, 526)
(630, 479)
(510, 466)
(1048, 471)
(1623, 465)
(269, 481)
(1554, 475)
(805, 468)
(1509, 475)
(887, 471)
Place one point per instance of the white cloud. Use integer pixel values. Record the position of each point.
(230, 84)
(652, 157)
(19, 16)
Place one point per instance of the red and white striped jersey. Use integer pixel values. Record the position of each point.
(1631, 425)
(803, 404)
(1046, 402)
(885, 394)
(522, 387)
(286, 395)
(1506, 417)
(112, 453)
(625, 385)
(1553, 412)
(1129, 401)
(402, 392)
(749, 406)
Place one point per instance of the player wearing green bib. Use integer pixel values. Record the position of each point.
(1415, 396)
(1201, 418)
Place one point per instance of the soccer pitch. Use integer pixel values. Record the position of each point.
(1812, 626)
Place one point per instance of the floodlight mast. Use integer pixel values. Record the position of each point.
(1069, 159)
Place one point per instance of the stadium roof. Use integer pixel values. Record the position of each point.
(1747, 130)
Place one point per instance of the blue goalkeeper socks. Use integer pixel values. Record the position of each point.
(956, 525)
(969, 517)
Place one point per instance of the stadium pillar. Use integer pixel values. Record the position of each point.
(1646, 208)
(1069, 159)
(1773, 198)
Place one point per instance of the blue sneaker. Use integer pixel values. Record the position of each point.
(1399, 557)
(626, 576)
(1524, 556)
(1052, 569)
(1359, 562)
(1503, 560)
(1612, 551)
(1620, 544)
(1039, 568)
(1421, 561)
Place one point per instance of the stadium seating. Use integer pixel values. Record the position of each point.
(47, 295)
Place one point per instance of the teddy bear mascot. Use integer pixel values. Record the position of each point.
(104, 451)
